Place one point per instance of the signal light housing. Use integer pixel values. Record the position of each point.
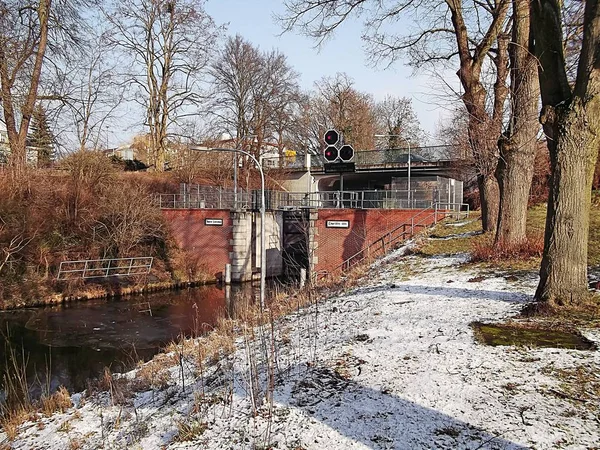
(331, 137)
(346, 153)
(331, 153)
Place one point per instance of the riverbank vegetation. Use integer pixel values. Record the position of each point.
(88, 209)
(279, 377)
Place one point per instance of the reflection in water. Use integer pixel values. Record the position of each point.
(76, 341)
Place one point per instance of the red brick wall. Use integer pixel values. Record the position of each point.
(335, 245)
(210, 245)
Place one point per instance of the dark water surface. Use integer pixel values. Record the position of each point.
(74, 342)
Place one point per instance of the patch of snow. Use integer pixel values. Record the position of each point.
(390, 365)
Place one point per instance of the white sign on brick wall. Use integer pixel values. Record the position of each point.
(213, 222)
(337, 224)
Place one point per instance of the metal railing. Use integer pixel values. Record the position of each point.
(386, 242)
(205, 200)
(421, 156)
(374, 199)
(104, 268)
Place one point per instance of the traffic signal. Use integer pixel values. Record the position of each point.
(346, 153)
(331, 153)
(332, 137)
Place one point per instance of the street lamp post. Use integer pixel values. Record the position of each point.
(263, 253)
(408, 142)
(238, 148)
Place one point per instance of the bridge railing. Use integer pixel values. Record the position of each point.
(427, 155)
(371, 199)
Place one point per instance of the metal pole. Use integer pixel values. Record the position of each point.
(341, 190)
(263, 253)
(235, 182)
(409, 205)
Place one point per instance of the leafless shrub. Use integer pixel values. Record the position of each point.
(116, 387)
(485, 250)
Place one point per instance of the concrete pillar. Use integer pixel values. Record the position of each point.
(227, 273)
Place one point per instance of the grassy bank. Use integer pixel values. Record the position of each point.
(467, 236)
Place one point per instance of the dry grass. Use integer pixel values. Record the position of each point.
(188, 430)
(580, 385)
(58, 401)
(75, 444)
(484, 250)
(151, 375)
(12, 420)
(448, 238)
(117, 387)
(585, 314)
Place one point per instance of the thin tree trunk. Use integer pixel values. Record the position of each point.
(17, 138)
(517, 148)
(489, 195)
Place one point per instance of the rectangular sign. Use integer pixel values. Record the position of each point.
(337, 224)
(339, 167)
(213, 222)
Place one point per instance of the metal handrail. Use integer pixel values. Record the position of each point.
(420, 223)
(370, 199)
(107, 267)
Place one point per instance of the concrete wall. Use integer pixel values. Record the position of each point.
(241, 256)
(274, 242)
(300, 182)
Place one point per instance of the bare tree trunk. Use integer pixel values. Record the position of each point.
(518, 146)
(571, 120)
(563, 272)
(489, 195)
(483, 128)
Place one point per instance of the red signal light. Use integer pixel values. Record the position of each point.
(331, 137)
(331, 153)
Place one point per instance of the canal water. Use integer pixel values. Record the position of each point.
(72, 343)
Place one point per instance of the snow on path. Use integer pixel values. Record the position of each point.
(396, 367)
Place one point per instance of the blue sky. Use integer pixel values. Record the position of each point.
(253, 19)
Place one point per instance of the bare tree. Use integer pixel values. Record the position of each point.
(91, 92)
(169, 43)
(397, 120)
(443, 31)
(312, 123)
(233, 75)
(339, 105)
(571, 121)
(24, 31)
(256, 95)
(280, 96)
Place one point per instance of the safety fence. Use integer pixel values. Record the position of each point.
(371, 199)
(104, 268)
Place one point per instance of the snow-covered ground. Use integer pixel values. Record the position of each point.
(391, 364)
